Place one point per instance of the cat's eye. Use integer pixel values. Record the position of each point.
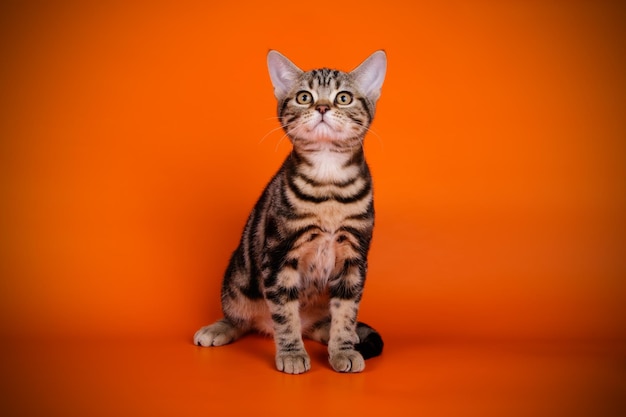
(343, 98)
(304, 97)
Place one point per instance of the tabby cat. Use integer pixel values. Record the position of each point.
(300, 266)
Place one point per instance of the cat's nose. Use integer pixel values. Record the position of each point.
(322, 108)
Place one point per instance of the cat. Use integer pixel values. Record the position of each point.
(300, 266)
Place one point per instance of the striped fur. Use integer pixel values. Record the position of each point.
(300, 266)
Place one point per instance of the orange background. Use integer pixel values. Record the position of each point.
(136, 136)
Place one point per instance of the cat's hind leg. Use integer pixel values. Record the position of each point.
(319, 331)
(369, 344)
(219, 333)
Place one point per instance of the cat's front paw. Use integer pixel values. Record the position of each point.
(347, 361)
(293, 362)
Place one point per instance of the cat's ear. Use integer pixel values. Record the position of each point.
(283, 73)
(369, 76)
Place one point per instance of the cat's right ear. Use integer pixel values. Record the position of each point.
(370, 74)
(283, 73)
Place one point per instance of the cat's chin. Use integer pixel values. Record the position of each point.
(323, 132)
(324, 136)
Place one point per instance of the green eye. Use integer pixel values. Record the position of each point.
(304, 97)
(343, 98)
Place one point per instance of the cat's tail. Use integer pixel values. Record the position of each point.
(370, 343)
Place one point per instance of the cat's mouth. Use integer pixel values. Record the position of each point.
(324, 131)
(321, 129)
(323, 122)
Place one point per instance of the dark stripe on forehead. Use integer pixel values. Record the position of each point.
(329, 75)
(323, 77)
(320, 78)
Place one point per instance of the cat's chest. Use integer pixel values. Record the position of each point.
(329, 238)
(318, 257)
(321, 254)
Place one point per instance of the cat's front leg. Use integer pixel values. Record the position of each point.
(341, 352)
(282, 299)
(345, 292)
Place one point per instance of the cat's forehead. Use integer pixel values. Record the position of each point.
(325, 78)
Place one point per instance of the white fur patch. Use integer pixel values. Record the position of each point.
(328, 166)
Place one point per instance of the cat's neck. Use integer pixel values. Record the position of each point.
(327, 165)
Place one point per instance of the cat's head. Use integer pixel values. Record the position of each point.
(324, 107)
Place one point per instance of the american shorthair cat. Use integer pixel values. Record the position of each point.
(300, 266)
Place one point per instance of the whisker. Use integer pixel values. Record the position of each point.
(269, 133)
(380, 139)
(274, 130)
(294, 133)
(295, 127)
(279, 142)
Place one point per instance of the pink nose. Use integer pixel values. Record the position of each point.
(322, 108)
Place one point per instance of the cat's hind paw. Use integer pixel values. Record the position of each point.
(293, 362)
(347, 361)
(216, 334)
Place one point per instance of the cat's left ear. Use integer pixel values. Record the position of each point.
(369, 76)
(283, 73)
